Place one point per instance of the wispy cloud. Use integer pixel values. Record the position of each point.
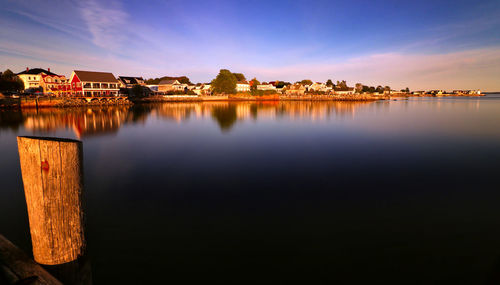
(477, 68)
(106, 22)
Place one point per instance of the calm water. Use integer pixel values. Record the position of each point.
(399, 192)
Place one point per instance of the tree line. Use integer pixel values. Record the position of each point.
(9, 82)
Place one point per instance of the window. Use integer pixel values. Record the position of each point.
(112, 85)
(79, 84)
(104, 85)
(87, 85)
(96, 85)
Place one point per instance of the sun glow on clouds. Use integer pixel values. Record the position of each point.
(466, 69)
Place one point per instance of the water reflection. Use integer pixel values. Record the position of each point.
(95, 121)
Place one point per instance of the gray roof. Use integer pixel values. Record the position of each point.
(35, 71)
(167, 81)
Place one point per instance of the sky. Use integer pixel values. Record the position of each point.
(423, 44)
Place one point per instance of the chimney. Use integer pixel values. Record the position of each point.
(27, 69)
(48, 69)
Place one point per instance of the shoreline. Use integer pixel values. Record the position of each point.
(48, 102)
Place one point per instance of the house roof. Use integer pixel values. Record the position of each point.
(95, 76)
(51, 75)
(35, 71)
(168, 81)
(130, 79)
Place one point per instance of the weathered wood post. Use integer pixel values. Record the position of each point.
(52, 171)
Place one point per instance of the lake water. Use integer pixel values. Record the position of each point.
(392, 192)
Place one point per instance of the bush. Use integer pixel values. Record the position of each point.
(256, 92)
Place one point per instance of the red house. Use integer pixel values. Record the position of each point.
(94, 84)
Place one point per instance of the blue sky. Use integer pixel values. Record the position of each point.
(419, 44)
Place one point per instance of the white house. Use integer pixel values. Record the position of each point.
(242, 86)
(266, 87)
(203, 89)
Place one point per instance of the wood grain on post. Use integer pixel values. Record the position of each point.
(52, 171)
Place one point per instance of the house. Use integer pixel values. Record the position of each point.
(128, 81)
(317, 86)
(153, 88)
(266, 87)
(32, 77)
(242, 86)
(94, 84)
(167, 85)
(296, 89)
(347, 91)
(55, 84)
(203, 89)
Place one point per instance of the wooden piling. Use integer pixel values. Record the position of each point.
(52, 171)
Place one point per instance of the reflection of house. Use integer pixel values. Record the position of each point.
(32, 77)
(242, 86)
(266, 87)
(128, 82)
(84, 122)
(93, 83)
(170, 85)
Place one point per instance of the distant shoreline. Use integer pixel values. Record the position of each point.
(46, 102)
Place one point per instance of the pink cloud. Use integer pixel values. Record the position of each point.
(471, 69)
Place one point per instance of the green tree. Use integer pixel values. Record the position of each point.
(8, 74)
(281, 84)
(240, 76)
(137, 91)
(329, 83)
(225, 82)
(181, 79)
(253, 83)
(9, 82)
(342, 85)
(306, 82)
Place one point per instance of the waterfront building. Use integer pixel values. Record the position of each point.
(167, 85)
(295, 89)
(153, 87)
(242, 86)
(203, 89)
(349, 91)
(94, 84)
(266, 87)
(317, 86)
(32, 77)
(56, 85)
(129, 81)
